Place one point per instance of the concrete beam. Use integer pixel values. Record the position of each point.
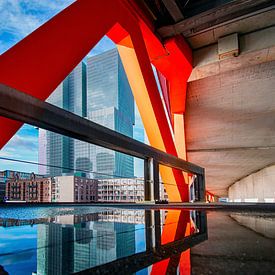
(255, 48)
(247, 24)
(213, 17)
(173, 9)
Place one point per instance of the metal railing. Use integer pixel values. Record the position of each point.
(27, 109)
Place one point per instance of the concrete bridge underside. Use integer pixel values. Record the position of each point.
(230, 104)
(230, 111)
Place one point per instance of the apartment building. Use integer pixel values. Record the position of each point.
(121, 190)
(74, 189)
(29, 190)
(10, 175)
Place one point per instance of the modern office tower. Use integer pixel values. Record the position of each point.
(57, 146)
(84, 247)
(83, 156)
(77, 90)
(109, 103)
(125, 239)
(56, 150)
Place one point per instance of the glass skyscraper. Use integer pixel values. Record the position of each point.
(101, 94)
(109, 103)
(54, 149)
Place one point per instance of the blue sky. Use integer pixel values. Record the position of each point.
(24, 146)
(21, 17)
(18, 18)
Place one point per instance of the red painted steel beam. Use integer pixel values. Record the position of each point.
(41, 61)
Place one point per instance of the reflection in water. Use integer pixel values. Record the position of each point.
(66, 245)
(232, 248)
(263, 224)
(67, 248)
(111, 241)
(127, 241)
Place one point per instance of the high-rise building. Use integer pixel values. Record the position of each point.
(109, 103)
(103, 95)
(56, 150)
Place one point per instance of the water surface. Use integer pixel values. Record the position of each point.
(104, 240)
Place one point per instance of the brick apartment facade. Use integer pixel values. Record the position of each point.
(29, 190)
(10, 175)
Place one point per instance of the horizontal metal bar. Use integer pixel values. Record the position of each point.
(27, 109)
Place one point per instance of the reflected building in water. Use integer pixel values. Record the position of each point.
(157, 241)
(69, 246)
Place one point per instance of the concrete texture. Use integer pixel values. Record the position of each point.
(249, 24)
(257, 187)
(230, 124)
(232, 248)
(255, 48)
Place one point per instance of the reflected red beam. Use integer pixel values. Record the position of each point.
(176, 226)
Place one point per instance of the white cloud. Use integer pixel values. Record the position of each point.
(27, 143)
(6, 154)
(20, 17)
(23, 145)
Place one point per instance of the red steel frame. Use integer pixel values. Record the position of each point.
(40, 62)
